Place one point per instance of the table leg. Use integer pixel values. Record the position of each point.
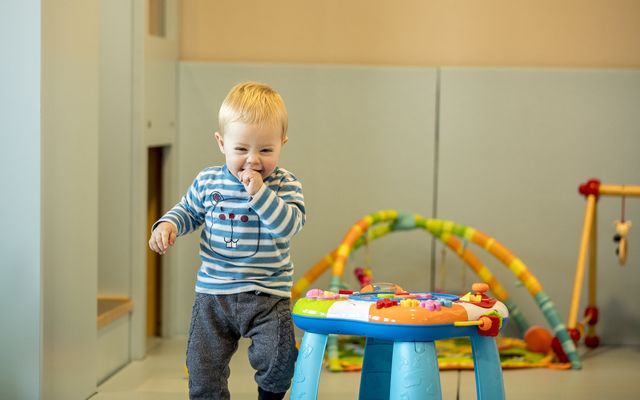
(308, 366)
(376, 370)
(414, 372)
(488, 371)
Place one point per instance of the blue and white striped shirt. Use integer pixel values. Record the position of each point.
(244, 245)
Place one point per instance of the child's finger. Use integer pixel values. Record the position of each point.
(172, 237)
(154, 245)
(165, 239)
(158, 237)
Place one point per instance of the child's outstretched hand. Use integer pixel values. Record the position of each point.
(252, 181)
(163, 237)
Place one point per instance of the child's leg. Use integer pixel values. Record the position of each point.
(267, 321)
(212, 342)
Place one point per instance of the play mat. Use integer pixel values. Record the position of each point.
(454, 354)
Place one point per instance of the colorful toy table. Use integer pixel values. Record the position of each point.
(400, 360)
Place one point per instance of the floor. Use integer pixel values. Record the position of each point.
(607, 373)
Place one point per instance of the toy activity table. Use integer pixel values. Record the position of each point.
(400, 360)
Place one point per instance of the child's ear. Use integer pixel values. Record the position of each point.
(285, 139)
(220, 141)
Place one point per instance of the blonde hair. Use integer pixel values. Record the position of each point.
(253, 103)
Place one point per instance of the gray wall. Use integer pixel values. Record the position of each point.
(513, 145)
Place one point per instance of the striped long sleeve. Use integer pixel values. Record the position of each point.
(189, 213)
(282, 212)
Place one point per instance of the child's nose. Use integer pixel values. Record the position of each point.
(252, 158)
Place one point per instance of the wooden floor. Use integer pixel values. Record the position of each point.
(607, 373)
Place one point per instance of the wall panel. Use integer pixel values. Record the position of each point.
(515, 145)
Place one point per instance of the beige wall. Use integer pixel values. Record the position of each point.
(571, 33)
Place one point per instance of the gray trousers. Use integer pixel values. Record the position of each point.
(217, 324)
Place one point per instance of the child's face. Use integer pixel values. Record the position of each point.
(247, 146)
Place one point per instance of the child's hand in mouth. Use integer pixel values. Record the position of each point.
(251, 179)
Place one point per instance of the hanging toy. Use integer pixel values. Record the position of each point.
(364, 275)
(622, 230)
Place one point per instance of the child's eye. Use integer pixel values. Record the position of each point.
(267, 150)
(240, 149)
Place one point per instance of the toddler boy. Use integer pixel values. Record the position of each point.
(250, 208)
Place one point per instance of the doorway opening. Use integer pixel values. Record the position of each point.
(154, 262)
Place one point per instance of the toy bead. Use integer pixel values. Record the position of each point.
(446, 303)
(592, 341)
(556, 346)
(486, 324)
(592, 314)
(574, 334)
(480, 287)
(314, 293)
(591, 187)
